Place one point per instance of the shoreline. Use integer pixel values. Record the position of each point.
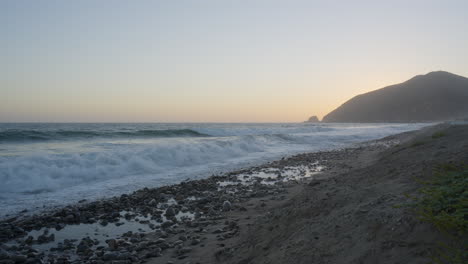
(180, 222)
(37, 173)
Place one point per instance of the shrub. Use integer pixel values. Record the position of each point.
(418, 143)
(438, 135)
(444, 203)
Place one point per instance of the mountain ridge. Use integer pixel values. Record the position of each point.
(436, 96)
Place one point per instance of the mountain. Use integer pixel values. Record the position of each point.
(436, 96)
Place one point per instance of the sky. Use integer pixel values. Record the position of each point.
(218, 60)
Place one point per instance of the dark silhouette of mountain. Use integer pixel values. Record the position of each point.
(436, 96)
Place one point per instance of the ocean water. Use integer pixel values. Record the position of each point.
(47, 165)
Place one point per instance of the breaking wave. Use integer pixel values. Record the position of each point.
(34, 135)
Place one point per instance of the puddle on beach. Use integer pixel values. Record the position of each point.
(133, 222)
(100, 233)
(271, 176)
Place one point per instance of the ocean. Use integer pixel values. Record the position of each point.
(47, 165)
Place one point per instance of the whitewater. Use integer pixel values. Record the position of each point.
(47, 165)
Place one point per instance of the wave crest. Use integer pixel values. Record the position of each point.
(34, 135)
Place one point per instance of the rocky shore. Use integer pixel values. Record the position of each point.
(161, 223)
(203, 221)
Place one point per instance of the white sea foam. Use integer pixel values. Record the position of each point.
(55, 173)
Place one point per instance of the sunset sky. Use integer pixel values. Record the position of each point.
(218, 60)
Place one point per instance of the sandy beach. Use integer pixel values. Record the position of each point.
(325, 207)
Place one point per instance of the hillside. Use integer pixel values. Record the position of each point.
(436, 96)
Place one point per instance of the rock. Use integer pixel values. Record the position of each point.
(152, 254)
(28, 240)
(314, 182)
(212, 212)
(227, 206)
(69, 218)
(59, 226)
(112, 243)
(312, 119)
(121, 262)
(160, 240)
(178, 242)
(153, 202)
(82, 247)
(184, 250)
(33, 261)
(44, 238)
(4, 254)
(218, 231)
(170, 212)
(167, 224)
(110, 256)
(19, 258)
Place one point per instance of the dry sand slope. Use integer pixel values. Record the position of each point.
(348, 214)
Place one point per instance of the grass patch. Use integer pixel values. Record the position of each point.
(444, 204)
(418, 143)
(438, 135)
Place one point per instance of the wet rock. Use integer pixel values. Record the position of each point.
(167, 224)
(33, 261)
(44, 238)
(153, 202)
(69, 218)
(160, 240)
(170, 212)
(4, 254)
(111, 256)
(29, 240)
(19, 258)
(62, 260)
(59, 226)
(84, 247)
(184, 250)
(154, 254)
(112, 243)
(218, 231)
(227, 206)
(121, 262)
(212, 212)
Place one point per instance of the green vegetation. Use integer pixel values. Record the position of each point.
(418, 143)
(444, 203)
(435, 135)
(438, 135)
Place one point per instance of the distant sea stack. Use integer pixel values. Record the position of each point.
(436, 96)
(312, 119)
